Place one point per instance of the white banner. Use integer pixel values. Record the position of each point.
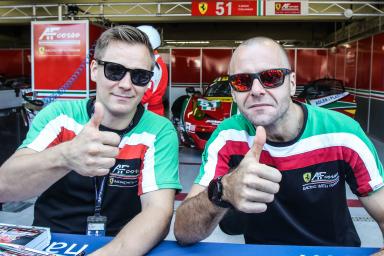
(328, 99)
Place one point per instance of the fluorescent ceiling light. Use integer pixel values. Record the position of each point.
(187, 42)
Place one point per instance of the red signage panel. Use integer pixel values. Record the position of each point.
(287, 7)
(59, 52)
(224, 8)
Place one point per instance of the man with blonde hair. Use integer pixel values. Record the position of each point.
(103, 166)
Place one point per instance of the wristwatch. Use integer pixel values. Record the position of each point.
(215, 192)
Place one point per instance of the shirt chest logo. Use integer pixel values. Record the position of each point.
(125, 173)
(320, 180)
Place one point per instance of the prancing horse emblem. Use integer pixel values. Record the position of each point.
(307, 177)
(203, 7)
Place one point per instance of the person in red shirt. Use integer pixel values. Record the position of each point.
(153, 97)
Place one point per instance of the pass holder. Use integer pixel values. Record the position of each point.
(96, 224)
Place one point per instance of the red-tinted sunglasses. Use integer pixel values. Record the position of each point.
(271, 78)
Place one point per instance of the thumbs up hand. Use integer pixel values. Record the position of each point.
(92, 152)
(252, 185)
(97, 116)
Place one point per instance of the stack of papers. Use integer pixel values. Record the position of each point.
(20, 250)
(29, 236)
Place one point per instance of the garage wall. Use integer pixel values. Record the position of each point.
(360, 64)
(198, 67)
(184, 71)
(215, 62)
(195, 67)
(376, 113)
(15, 62)
(292, 58)
(311, 64)
(362, 84)
(350, 67)
(340, 63)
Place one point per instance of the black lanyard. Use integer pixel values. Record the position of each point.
(136, 118)
(99, 195)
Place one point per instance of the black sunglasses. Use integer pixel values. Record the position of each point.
(271, 78)
(116, 72)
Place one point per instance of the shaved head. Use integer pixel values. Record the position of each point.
(260, 105)
(276, 51)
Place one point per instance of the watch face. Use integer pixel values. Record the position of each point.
(212, 190)
(215, 193)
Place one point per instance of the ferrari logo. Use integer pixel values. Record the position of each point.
(41, 50)
(203, 7)
(307, 177)
(277, 6)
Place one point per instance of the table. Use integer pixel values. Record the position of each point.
(67, 244)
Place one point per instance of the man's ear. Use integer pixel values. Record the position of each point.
(292, 83)
(93, 67)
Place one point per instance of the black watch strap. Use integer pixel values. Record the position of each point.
(215, 193)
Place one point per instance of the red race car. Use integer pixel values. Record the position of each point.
(197, 115)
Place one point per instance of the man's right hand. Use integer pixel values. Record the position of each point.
(252, 185)
(379, 253)
(92, 152)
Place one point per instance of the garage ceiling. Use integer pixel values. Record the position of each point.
(180, 28)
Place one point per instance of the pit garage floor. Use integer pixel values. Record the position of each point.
(190, 159)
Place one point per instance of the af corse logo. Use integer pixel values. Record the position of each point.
(54, 33)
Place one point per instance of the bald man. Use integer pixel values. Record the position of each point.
(279, 165)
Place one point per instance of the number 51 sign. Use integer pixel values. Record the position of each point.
(225, 8)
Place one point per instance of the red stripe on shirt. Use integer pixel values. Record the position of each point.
(298, 161)
(64, 135)
(132, 151)
(317, 156)
(230, 148)
(135, 152)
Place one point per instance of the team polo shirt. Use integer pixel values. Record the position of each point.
(311, 206)
(147, 161)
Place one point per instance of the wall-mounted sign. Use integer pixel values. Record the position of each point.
(61, 51)
(225, 8)
(58, 49)
(249, 8)
(287, 7)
